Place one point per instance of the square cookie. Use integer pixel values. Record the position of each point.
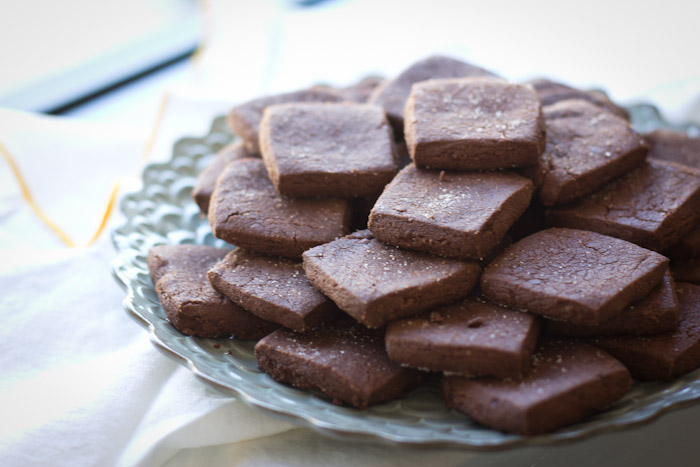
(654, 314)
(332, 150)
(244, 119)
(452, 214)
(376, 283)
(192, 306)
(471, 337)
(272, 288)
(247, 211)
(652, 206)
(473, 124)
(586, 147)
(572, 275)
(392, 94)
(207, 178)
(664, 356)
(568, 381)
(344, 360)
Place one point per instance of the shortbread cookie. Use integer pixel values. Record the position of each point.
(344, 360)
(376, 283)
(572, 275)
(568, 381)
(247, 211)
(190, 303)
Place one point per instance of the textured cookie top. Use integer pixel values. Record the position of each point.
(187, 264)
(463, 201)
(452, 214)
(469, 337)
(473, 109)
(371, 269)
(313, 149)
(393, 94)
(586, 146)
(572, 275)
(674, 146)
(247, 211)
(352, 349)
(470, 323)
(376, 283)
(190, 302)
(278, 280)
(653, 205)
(244, 119)
(567, 381)
(343, 359)
(557, 367)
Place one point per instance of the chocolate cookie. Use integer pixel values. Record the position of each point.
(377, 283)
(665, 356)
(244, 119)
(568, 381)
(192, 306)
(652, 206)
(344, 360)
(331, 150)
(470, 337)
(654, 314)
(674, 146)
(393, 94)
(586, 147)
(473, 124)
(551, 92)
(453, 214)
(207, 178)
(572, 275)
(272, 288)
(247, 211)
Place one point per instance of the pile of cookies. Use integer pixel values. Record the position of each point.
(513, 237)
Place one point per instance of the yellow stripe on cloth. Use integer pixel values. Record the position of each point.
(148, 148)
(108, 212)
(26, 194)
(59, 232)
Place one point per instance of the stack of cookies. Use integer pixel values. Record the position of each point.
(512, 237)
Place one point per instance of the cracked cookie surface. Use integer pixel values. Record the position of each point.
(247, 211)
(572, 275)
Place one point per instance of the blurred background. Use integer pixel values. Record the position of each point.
(68, 56)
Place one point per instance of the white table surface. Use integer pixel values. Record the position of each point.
(636, 52)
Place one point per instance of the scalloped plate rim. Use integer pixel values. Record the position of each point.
(633, 417)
